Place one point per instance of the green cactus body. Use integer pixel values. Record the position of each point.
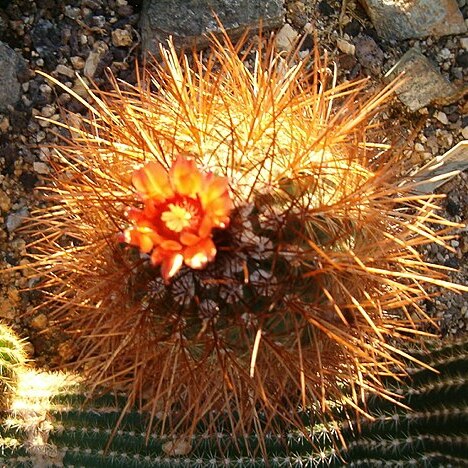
(12, 356)
(432, 433)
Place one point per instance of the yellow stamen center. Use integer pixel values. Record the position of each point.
(176, 218)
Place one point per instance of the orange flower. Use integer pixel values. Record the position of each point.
(181, 209)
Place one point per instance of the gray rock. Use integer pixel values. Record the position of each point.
(369, 54)
(12, 66)
(397, 19)
(441, 169)
(187, 21)
(286, 38)
(14, 220)
(423, 81)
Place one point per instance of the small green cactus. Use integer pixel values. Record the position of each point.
(434, 432)
(12, 355)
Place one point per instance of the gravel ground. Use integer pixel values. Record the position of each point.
(88, 36)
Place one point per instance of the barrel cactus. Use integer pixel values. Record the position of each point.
(232, 239)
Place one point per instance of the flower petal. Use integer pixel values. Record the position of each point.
(134, 236)
(146, 243)
(152, 181)
(185, 177)
(188, 239)
(198, 255)
(171, 265)
(214, 187)
(170, 245)
(206, 226)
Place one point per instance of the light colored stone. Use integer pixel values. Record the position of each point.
(122, 38)
(77, 62)
(286, 38)
(346, 47)
(423, 82)
(80, 87)
(5, 203)
(41, 168)
(419, 147)
(406, 19)
(39, 322)
(64, 70)
(441, 117)
(48, 111)
(441, 169)
(445, 53)
(464, 42)
(14, 220)
(464, 133)
(4, 124)
(71, 12)
(94, 57)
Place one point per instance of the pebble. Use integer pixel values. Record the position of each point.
(346, 47)
(8, 304)
(464, 42)
(48, 111)
(286, 38)
(77, 62)
(424, 83)
(14, 220)
(39, 322)
(369, 54)
(464, 133)
(122, 38)
(445, 53)
(441, 117)
(45, 89)
(79, 87)
(72, 12)
(5, 203)
(66, 350)
(94, 57)
(41, 168)
(99, 21)
(64, 70)
(407, 19)
(4, 124)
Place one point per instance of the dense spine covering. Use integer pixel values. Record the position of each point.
(431, 432)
